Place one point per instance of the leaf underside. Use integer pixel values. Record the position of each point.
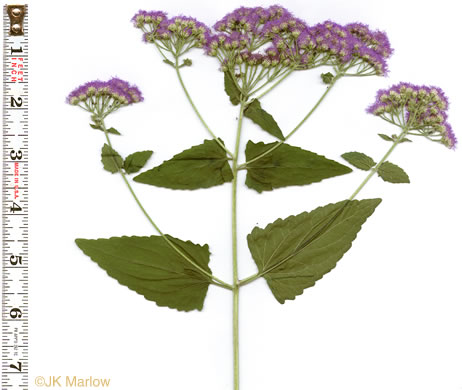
(231, 89)
(287, 166)
(392, 173)
(111, 160)
(293, 253)
(152, 268)
(359, 160)
(263, 119)
(136, 161)
(201, 166)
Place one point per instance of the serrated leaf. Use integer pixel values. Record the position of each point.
(293, 253)
(111, 160)
(260, 117)
(385, 137)
(152, 268)
(287, 166)
(111, 130)
(135, 161)
(201, 166)
(392, 173)
(231, 89)
(359, 160)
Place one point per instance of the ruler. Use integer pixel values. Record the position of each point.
(15, 199)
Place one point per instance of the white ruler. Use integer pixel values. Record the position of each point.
(15, 199)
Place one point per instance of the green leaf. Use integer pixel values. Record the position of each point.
(111, 160)
(111, 130)
(392, 173)
(405, 140)
(359, 160)
(393, 138)
(386, 137)
(151, 267)
(202, 166)
(135, 161)
(287, 166)
(168, 62)
(231, 89)
(293, 253)
(259, 116)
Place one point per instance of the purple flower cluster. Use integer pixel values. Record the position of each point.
(241, 33)
(256, 20)
(272, 36)
(119, 90)
(141, 18)
(157, 26)
(417, 108)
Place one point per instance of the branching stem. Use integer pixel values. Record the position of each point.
(374, 170)
(307, 116)
(180, 79)
(213, 279)
(379, 164)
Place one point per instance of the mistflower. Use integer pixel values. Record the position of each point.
(354, 49)
(329, 43)
(257, 27)
(376, 40)
(152, 18)
(104, 97)
(418, 110)
(176, 33)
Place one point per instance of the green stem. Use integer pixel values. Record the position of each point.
(234, 244)
(214, 280)
(178, 73)
(236, 336)
(376, 168)
(250, 279)
(287, 74)
(242, 166)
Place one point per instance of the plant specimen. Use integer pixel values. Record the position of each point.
(256, 49)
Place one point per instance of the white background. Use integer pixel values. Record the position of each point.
(387, 318)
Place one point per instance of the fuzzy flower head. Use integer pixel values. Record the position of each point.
(255, 36)
(176, 33)
(148, 19)
(103, 97)
(284, 40)
(354, 48)
(420, 110)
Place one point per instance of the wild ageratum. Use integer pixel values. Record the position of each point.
(256, 49)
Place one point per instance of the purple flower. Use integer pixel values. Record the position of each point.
(335, 44)
(120, 91)
(157, 26)
(420, 109)
(253, 28)
(271, 36)
(376, 40)
(152, 18)
(244, 19)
